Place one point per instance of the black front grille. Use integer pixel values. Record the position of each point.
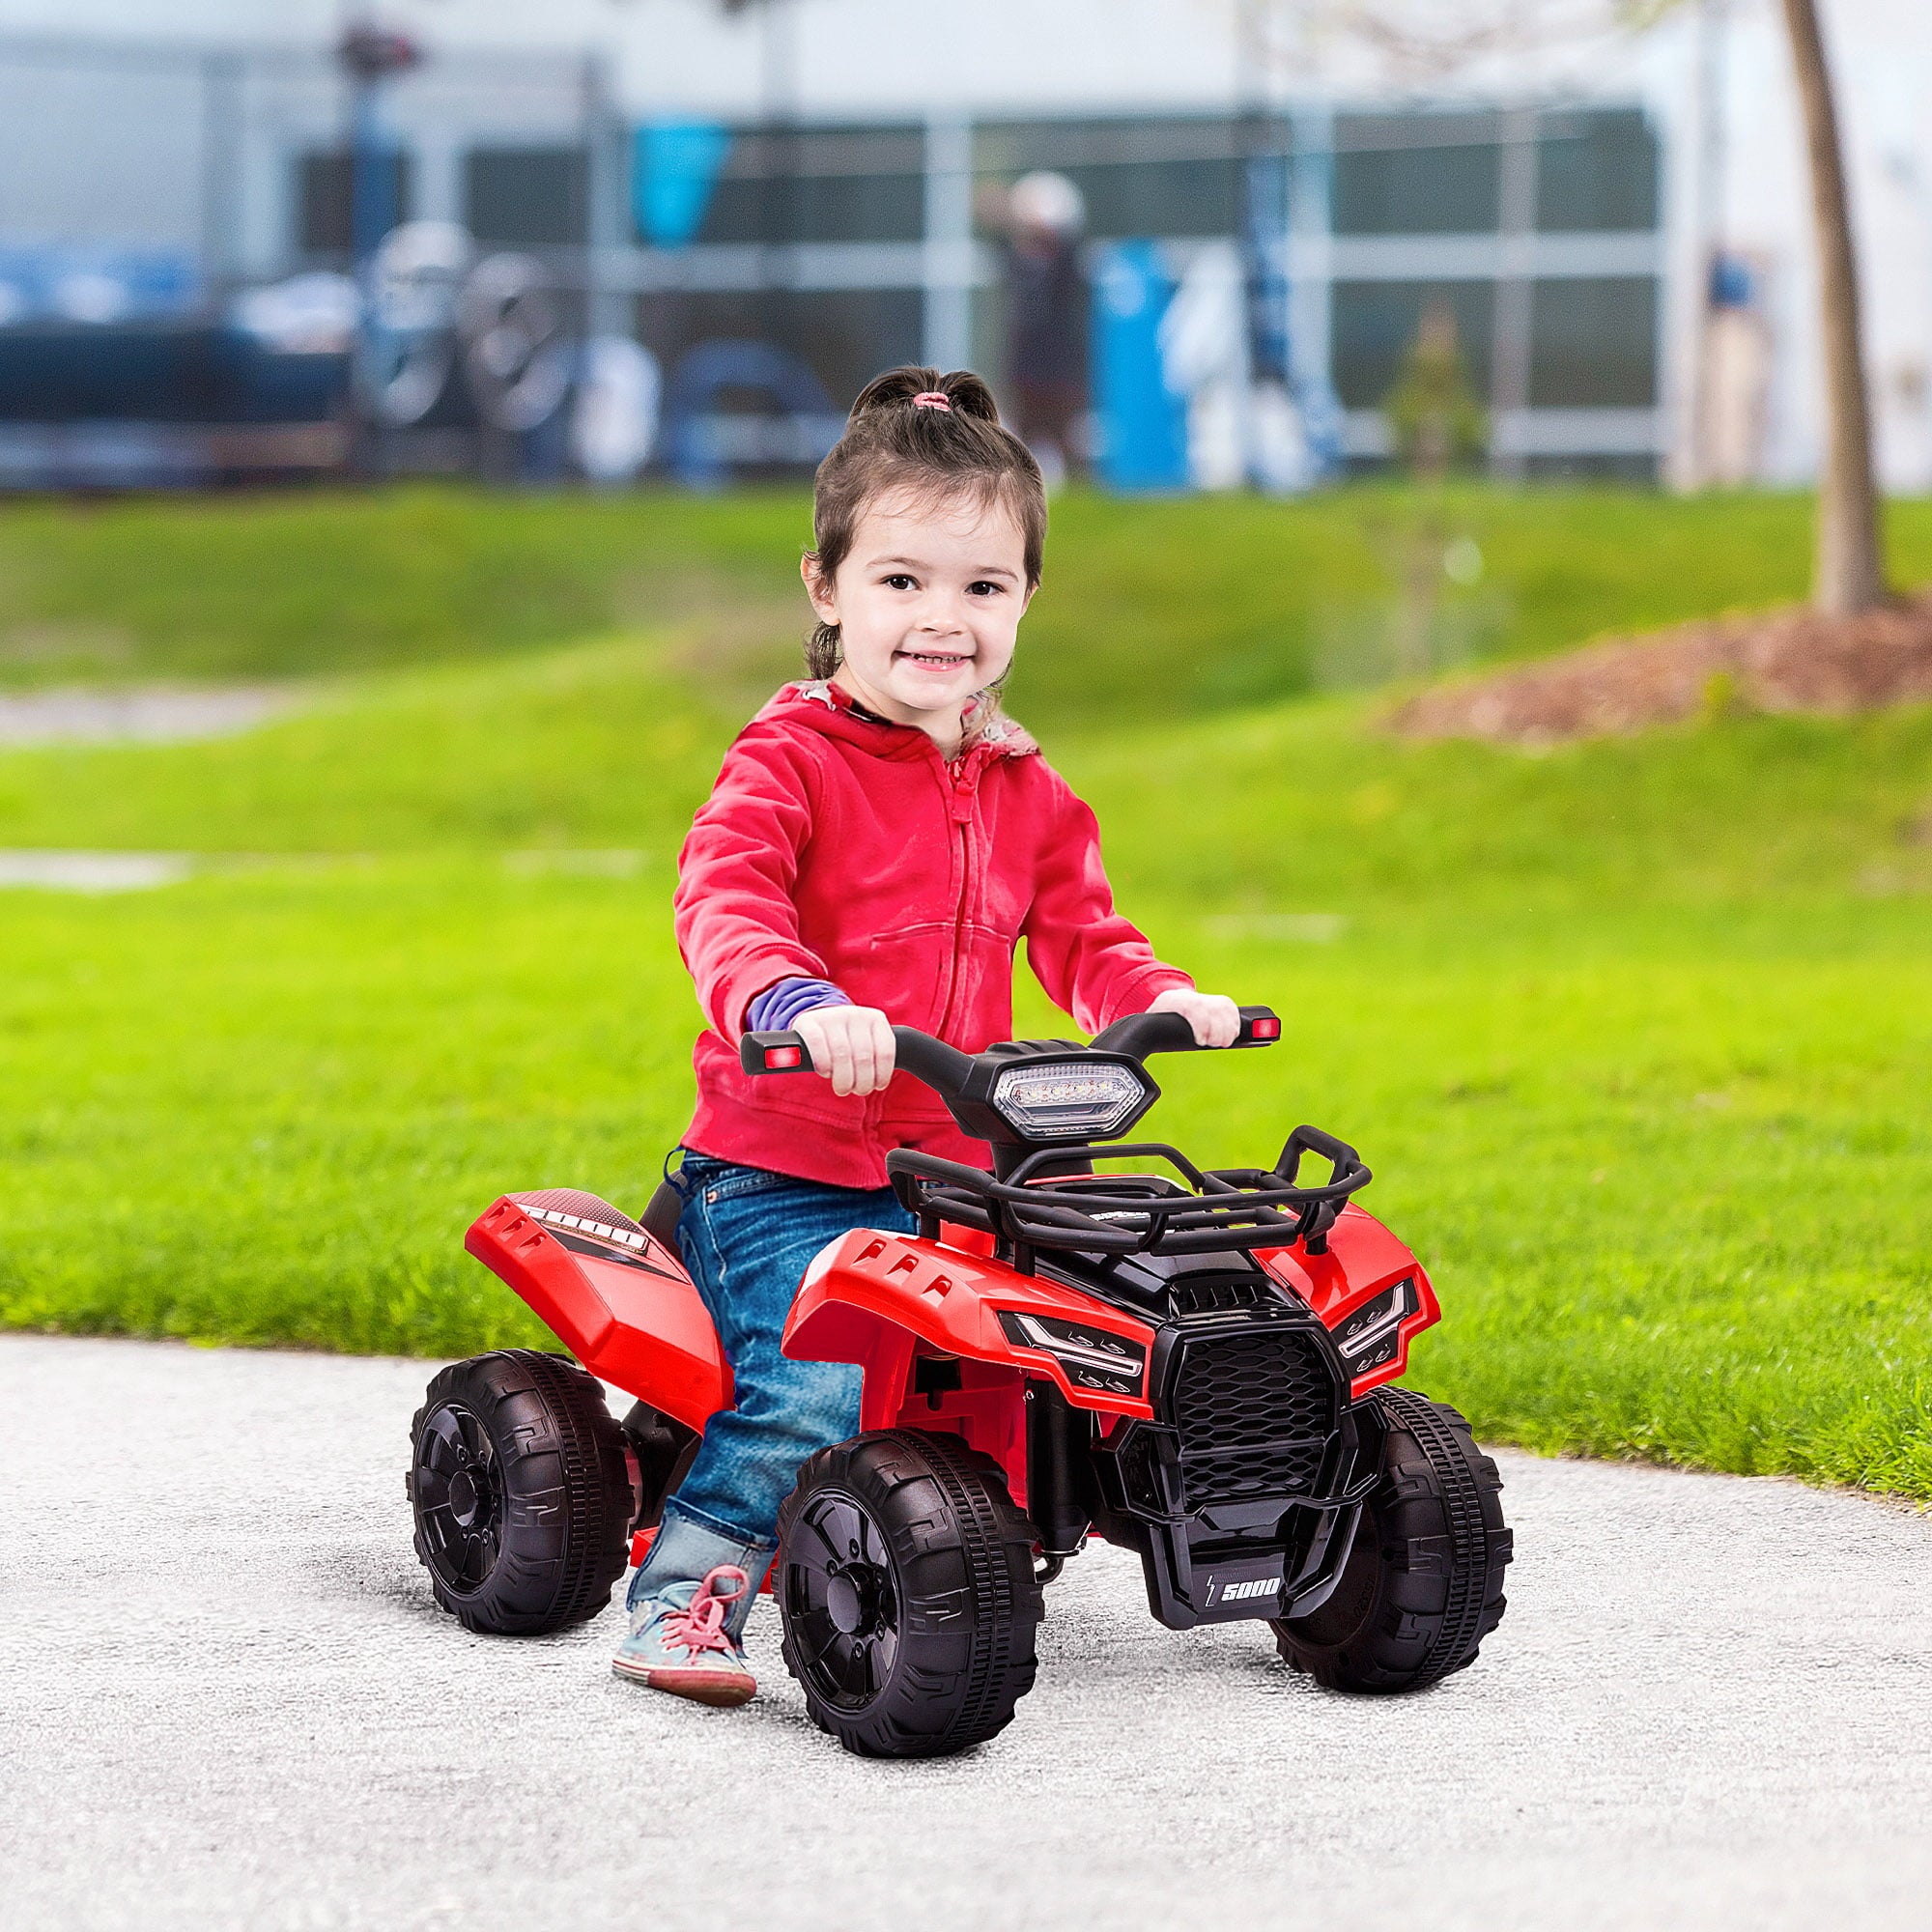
(1216, 1294)
(1254, 1411)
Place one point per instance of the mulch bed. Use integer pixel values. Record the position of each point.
(1790, 659)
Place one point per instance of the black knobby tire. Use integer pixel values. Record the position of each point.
(1423, 1584)
(905, 1587)
(521, 1491)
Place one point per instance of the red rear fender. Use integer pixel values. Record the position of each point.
(874, 1298)
(624, 1307)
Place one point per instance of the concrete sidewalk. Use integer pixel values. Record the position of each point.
(227, 1702)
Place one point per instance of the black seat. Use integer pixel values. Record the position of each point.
(660, 1218)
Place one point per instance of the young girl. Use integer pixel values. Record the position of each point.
(880, 839)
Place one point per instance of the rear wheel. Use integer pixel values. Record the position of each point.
(1424, 1583)
(521, 1492)
(905, 1586)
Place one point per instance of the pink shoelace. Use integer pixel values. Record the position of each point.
(700, 1626)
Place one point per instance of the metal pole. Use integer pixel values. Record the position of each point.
(1263, 235)
(221, 172)
(1311, 280)
(1712, 23)
(1515, 294)
(371, 192)
(947, 257)
(779, 185)
(606, 204)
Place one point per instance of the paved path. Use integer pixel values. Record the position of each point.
(159, 715)
(226, 1701)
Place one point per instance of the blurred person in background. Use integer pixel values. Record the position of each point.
(1046, 350)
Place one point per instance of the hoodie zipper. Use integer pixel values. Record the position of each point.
(959, 792)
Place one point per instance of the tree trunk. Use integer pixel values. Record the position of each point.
(1849, 570)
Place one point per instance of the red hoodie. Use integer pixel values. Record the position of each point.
(838, 847)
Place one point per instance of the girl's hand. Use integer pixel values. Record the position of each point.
(852, 1046)
(1215, 1019)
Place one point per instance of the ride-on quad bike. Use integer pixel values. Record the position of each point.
(1190, 1363)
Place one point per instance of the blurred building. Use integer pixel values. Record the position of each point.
(780, 197)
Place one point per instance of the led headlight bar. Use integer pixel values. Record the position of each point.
(1070, 1099)
(1368, 1337)
(1093, 1358)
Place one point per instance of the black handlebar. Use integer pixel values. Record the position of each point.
(945, 1068)
(1023, 1207)
(1142, 1033)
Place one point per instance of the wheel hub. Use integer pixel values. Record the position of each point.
(842, 1603)
(458, 1497)
(851, 1601)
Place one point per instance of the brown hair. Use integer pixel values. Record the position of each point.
(892, 444)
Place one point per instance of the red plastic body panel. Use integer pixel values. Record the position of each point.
(883, 1299)
(870, 1297)
(1363, 1258)
(639, 1324)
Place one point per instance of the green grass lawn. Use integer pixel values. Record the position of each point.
(1147, 608)
(1638, 1036)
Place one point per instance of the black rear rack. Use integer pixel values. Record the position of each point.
(1220, 1208)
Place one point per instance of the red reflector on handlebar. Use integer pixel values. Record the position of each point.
(1268, 1028)
(777, 1058)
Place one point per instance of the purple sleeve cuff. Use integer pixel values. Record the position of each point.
(776, 1008)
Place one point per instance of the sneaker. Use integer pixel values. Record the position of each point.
(679, 1640)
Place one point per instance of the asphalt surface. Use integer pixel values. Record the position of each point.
(226, 1699)
(159, 715)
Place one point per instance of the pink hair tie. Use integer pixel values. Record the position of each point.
(930, 399)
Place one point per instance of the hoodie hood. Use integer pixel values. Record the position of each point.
(830, 708)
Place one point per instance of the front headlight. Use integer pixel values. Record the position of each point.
(1368, 1337)
(1070, 1099)
(1093, 1358)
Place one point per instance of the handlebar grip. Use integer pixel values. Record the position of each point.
(1142, 1033)
(943, 1068)
(774, 1053)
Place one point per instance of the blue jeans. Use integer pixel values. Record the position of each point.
(747, 1236)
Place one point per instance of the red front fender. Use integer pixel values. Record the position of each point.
(1363, 1258)
(872, 1299)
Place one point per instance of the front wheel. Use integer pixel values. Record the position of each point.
(521, 1492)
(1423, 1584)
(905, 1587)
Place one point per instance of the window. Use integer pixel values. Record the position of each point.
(820, 184)
(846, 337)
(324, 198)
(1133, 198)
(1376, 321)
(818, 208)
(1593, 344)
(1178, 176)
(525, 197)
(1596, 171)
(1417, 175)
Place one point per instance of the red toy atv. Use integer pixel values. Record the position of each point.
(1189, 1363)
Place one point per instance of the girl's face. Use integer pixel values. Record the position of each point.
(927, 604)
